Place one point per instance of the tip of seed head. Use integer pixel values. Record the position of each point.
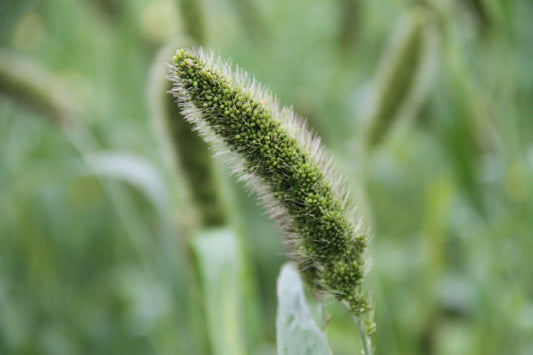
(181, 55)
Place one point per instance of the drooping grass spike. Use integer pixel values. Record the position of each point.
(184, 149)
(286, 165)
(404, 74)
(31, 86)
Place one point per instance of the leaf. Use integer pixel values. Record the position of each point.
(297, 332)
(219, 258)
(134, 170)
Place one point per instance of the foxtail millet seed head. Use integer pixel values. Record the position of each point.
(277, 156)
(404, 74)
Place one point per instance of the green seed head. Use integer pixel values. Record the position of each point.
(277, 156)
(404, 74)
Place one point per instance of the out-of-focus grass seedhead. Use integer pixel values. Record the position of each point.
(404, 74)
(31, 86)
(184, 149)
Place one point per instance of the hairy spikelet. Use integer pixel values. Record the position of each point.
(404, 74)
(276, 155)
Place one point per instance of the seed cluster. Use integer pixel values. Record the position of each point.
(286, 166)
(404, 72)
(398, 85)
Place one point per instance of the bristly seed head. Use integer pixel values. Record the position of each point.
(277, 156)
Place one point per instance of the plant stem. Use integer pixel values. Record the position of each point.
(365, 340)
(321, 315)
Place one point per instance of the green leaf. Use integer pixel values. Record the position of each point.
(297, 332)
(135, 170)
(220, 264)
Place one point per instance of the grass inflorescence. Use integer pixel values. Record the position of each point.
(286, 165)
(404, 74)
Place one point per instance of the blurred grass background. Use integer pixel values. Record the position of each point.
(95, 227)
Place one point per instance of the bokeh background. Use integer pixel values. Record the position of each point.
(97, 229)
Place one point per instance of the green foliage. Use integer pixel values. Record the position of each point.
(250, 18)
(191, 11)
(297, 333)
(219, 258)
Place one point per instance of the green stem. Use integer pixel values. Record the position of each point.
(321, 315)
(365, 340)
